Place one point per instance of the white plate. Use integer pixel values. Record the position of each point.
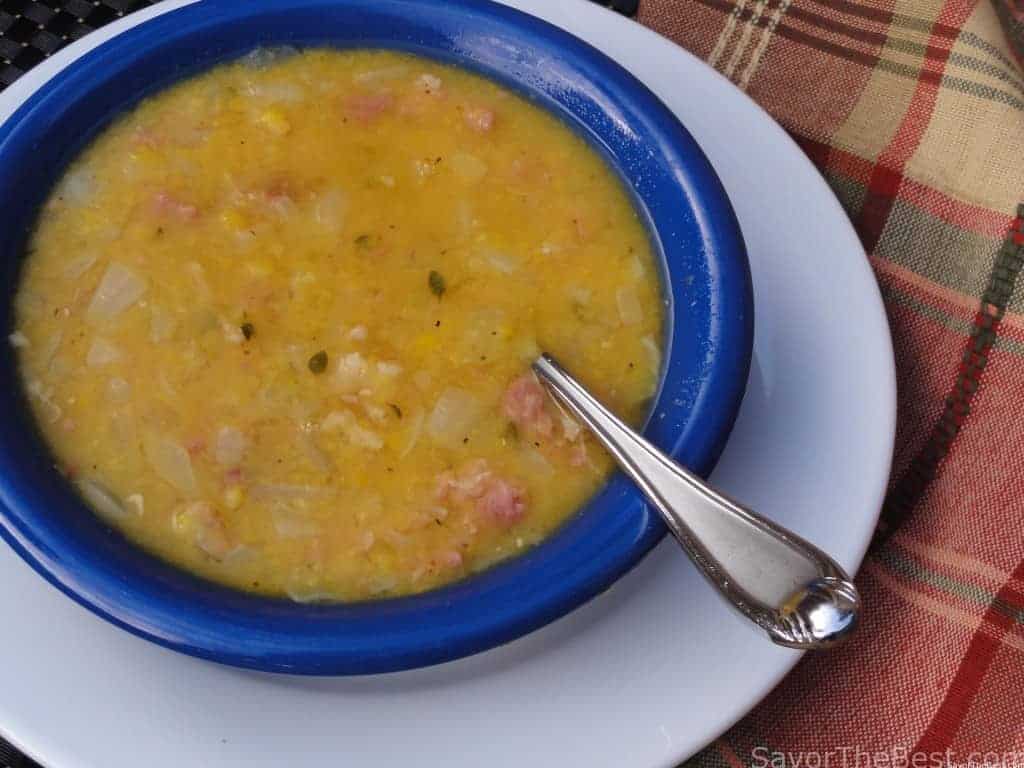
(642, 676)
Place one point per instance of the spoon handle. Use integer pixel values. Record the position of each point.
(784, 584)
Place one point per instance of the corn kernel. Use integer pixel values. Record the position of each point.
(233, 497)
(181, 522)
(275, 122)
(233, 219)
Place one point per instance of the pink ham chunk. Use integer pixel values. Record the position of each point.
(476, 486)
(479, 118)
(502, 502)
(144, 137)
(367, 107)
(451, 558)
(524, 405)
(166, 204)
(469, 483)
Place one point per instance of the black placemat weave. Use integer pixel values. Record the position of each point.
(32, 30)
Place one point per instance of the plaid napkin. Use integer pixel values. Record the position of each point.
(913, 110)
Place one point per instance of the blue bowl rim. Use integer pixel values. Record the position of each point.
(690, 419)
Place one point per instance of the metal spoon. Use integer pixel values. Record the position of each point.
(785, 585)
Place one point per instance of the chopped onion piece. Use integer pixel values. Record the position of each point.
(102, 499)
(358, 435)
(137, 503)
(330, 210)
(365, 541)
(570, 427)
(229, 446)
(454, 414)
(291, 524)
(654, 350)
(79, 265)
(102, 352)
(19, 340)
(464, 218)
(302, 593)
(119, 389)
(428, 83)
(383, 74)
(350, 373)
(375, 412)
(240, 554)
(51, 347)
(286, 92)
(502, 262)
(467, 167)
(123, 429)
(171, 462)
(206, 527)
(316, 455)
(537, 463)
(630, 311)
(637, 267)
(390, 369)
(264, 56)
(161, 324)
(580, 294)
(232, 333)
(378, 585)
(45, 397)
(119, 288)
(198, 275)
(415, 430)
(78, 187)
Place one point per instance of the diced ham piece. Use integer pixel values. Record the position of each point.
(451, 559)
(168, 205)
(502, 502)
(367, 107)
(524, 405)
(479, 118)
(144, 137)
(578, 455)
(469, 483)
(494, 498)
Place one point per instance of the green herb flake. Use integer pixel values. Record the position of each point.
(248, 330)
(436, 282)
(363, 241)
(318, 362)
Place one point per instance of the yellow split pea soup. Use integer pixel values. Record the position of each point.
(276, 322)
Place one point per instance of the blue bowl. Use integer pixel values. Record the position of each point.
(708, 339)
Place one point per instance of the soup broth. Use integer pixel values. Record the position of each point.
(276, 322)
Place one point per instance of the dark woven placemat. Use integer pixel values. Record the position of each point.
(32, 30)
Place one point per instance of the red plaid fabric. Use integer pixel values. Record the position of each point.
(913, 110)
